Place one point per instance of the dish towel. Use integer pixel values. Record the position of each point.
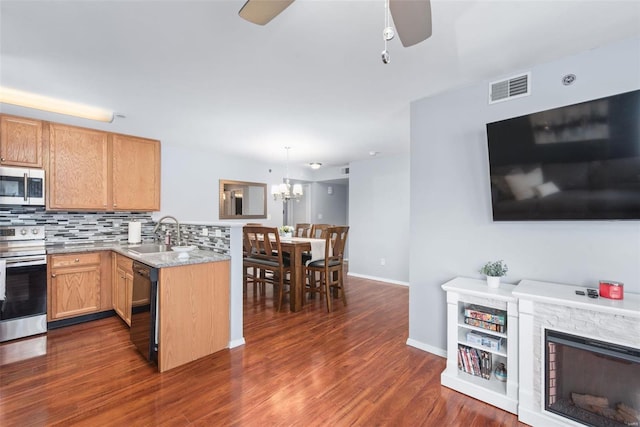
(3, 279)
(317, 250)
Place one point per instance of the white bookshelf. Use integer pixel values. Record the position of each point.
(462, 293)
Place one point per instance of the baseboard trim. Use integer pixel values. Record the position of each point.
(426, 347)
(378, 279)
(236, 343)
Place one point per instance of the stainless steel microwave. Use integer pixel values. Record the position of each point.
(21, 186)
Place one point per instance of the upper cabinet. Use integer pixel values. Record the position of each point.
(95, 170)
(136, 173)
(20, 142)
(78, 168)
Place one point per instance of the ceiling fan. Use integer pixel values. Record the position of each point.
(411, 17)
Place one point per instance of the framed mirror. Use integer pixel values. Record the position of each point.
(242, 200)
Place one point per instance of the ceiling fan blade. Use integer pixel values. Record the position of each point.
(262, 11)
(412, 19)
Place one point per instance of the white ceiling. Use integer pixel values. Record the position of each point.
(195, 73)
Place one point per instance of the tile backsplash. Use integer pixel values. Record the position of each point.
(107, 227)
(191, 234)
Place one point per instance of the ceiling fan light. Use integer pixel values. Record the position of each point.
(53, 105)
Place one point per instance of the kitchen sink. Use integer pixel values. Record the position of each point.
(151, 248)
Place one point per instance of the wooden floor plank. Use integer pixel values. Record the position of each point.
(311, 368)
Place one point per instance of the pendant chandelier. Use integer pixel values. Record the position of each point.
(284, 191)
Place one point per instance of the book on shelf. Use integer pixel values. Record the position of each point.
(486, 314)
(485, 325)
(475, 362)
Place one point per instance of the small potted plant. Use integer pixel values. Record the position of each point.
(286, 231)
(494, 271)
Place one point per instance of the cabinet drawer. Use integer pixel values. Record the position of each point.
(74, 260)
(124, 263)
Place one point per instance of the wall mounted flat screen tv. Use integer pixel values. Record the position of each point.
(578, 162)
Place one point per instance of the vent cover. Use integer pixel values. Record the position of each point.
(513, 87)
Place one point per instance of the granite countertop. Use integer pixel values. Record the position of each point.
(157, 260)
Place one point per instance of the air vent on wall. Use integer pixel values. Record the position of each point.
(513, 87)
(345, 171)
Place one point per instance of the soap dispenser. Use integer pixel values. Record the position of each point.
(167, 238)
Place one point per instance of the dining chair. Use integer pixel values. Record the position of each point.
(318, 230)
(249, 273)
(264, 254)
(303, 230)
(326, 275)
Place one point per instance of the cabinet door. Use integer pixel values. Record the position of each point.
(20, 142)
(78, 169)
(122, 298)
(122, 287)
(136, 173)
(75, 291)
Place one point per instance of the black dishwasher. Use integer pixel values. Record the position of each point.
(144, 308)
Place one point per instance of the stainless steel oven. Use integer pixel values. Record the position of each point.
(21, 186)
(23, 282)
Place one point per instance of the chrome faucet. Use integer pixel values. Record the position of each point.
(177, 226)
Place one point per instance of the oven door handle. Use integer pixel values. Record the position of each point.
(26, 261)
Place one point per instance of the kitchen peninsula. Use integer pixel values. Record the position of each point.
(192, 294)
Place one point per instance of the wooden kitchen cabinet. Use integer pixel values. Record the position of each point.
(122, 287)
(78, 168)
(78, 284)
(136, 173)
(20, 142)
(95, 170)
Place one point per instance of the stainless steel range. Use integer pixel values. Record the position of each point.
(23, 282)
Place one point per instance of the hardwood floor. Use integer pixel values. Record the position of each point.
(347, 368)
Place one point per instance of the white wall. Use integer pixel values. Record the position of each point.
(329, 208)
(190, 182)
(452, 233)
(379, 218)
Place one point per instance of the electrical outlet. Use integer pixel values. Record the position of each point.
(204, 232)
(218, 233)
(319, 216)
(383, 261)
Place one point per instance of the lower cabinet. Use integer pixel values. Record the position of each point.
(122, 287)
(78, 284)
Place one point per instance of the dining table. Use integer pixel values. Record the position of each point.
(295, 246)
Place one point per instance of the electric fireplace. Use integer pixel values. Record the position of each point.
(590, 381)
(578, 357)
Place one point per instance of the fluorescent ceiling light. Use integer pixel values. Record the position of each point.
(39, 102)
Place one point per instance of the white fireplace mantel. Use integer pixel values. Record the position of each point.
(544, 305)
(565, 295)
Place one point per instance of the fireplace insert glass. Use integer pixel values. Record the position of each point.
(592, 382)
